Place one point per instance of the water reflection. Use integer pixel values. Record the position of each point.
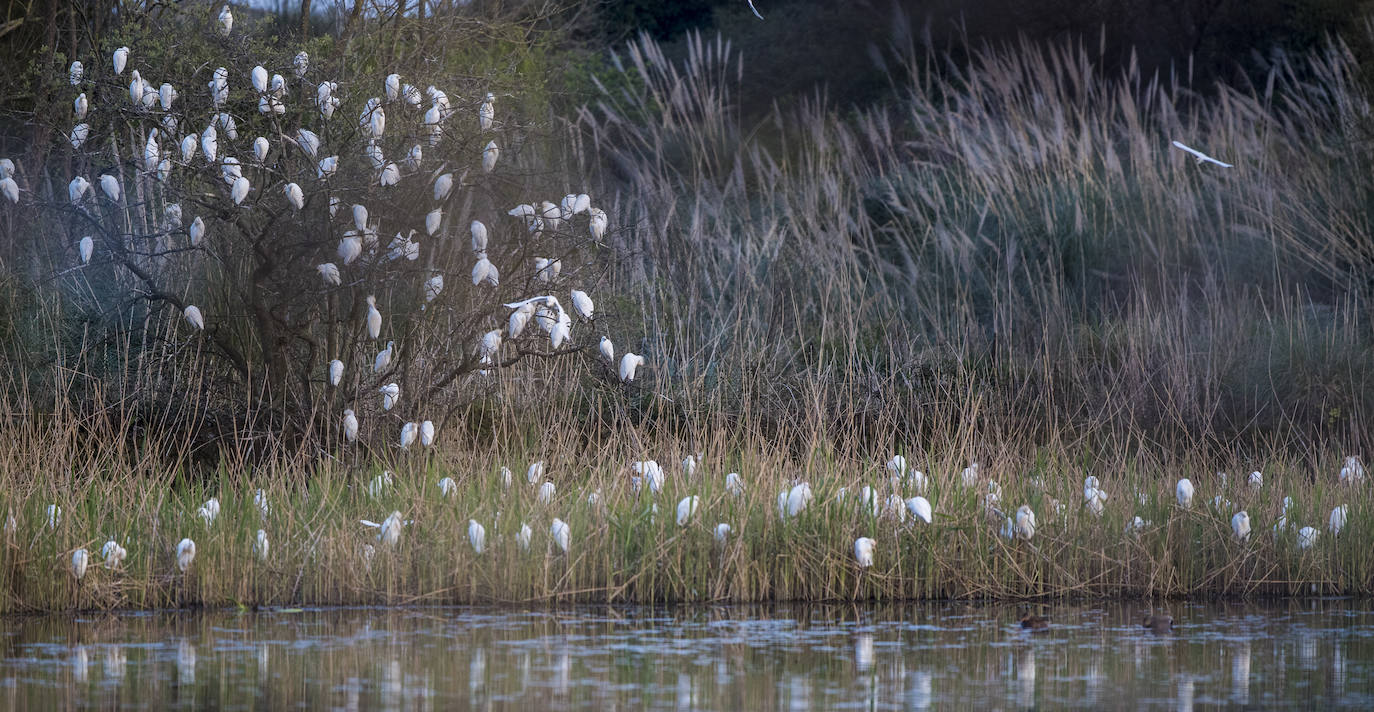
(914, 657)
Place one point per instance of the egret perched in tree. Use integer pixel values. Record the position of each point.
(1307, 537)
(479, 237)
(121, 58)
(685, 509)
(597, 224)
(583, 304)
(192, 314)
(1240, 525)
(433, 287)
(87, 248)
(301, 63)
(1352, 472)
(561, 534)
(629, 363)
(209, 143)
(863, 551)
(188, 148)
(151, 152)
(80, 106)
(186, 553)
(259, 78)
(226, 21)
(294, 196)
(240, 190)
(350, 425)
(173, 214)
(919, 507)
(390, 175)
(414, 157)
(1184, 493)
(75, 73)
(427, 433)
(734, 484)
(392, 87)
(110, 185)
(373, 119)
(490, 345)
(113, 553)
(486, 113)
(485, 271)
(230, 170)
(260, 148)
(1337, 521)
(328, 165)
(1201, 157)
(391, 392)
(350, 247)
(607, 350)
(374, 317)
(137, 88)
(80, 558)
(9, 189)
(443, 185)
(219, 87)
(79, 134)
(489, 156)
(166, 94)
(384, 357)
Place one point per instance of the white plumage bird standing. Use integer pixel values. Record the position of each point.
(630, 363)
(863, 551)
(193, 316)
(1183, 492)
(186, 554)
(561, 534)
(477, 536)
(374, 317)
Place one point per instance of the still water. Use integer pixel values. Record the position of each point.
(1300, 654)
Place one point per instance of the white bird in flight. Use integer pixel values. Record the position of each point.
(1201, 157)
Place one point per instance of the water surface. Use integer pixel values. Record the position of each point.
(1301, 654)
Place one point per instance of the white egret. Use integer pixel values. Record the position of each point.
(433, 286)
(477, 535)
(897, 465)
(1307, 537)
(374, 317)
(390, 533)
(188, 148)
(173, 214)
(54, 516)
(690, 464)
(403, 246)
(1136, 525)
(301, 63)
(260, 499)
(9, 189)
(562, 330)
(1240, 525)
(136, 89)
(335, 371)
(486, 113)
(383, 357)
(80, 558)
(1337, 521)
(81, 106)
(230, 170)
(260, 148)
(489, 156)
(113, 553)
(597, 223)
(651, 471)
(413, 158)
(863, 551)
(430, 126)
(546, 492)
(350, 426)
(525, 212)
(551, 215)
(970, 475)
(209, 143)
(1256, 480)
(110, 185)
(327, 166)
(392, 87)
(485, 271)
(166, 94)
(440, 100)
(685, 509)
(1201, 157)
(607, 350)
(919, 507)
(797, 498)
(186, 553)
(373, 118)
(294, 195)
(219, 87)
(259, 77)
(479, 236)
(561, 534)
(523, 537)
(151, 152)
(443, 185)
(391, 392)
(1183, 492)
(1220, 504)
(226, 21)
(192, 314)
(1025, 522)
(583, 304)
(240, 189)
(427, 433)
(506, 477)
(722, 533)
(350, 247)
(490, 344)
(895, 508)
(379, 484)
(1352, 472)
(1094, 498)
(734, 484)
(535, 472)
(75, 73)
(334, 204)
(87, 248)
(196, 231)
(629, 364)
(1282, 523)
(447, 487)
(79, 134)
(411, 95)
(869, 497)
(390, 175)
(209, 511)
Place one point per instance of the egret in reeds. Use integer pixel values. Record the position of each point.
(1136, 526)
(685, 509)
(113, 553)
(260, 499)
(919, 507)
(477, 536)
(1337, 520)
(379, 484)
(1183, 492)
(1307, 537)
(505, 476)
(390, 532)
(1199, 156)
(80, 558)
(350, 425)
(447, 487)
(1255, 480)
(209, 511)
(523, 536)
(260, 545)
(1221, 504)
(427, 433)
(897, 465)
(1352, 472)
(1240, 525)
(863, 551)
(970, 475)
(629, 364)
(1025, 522)
(797, 498)
(546, 492)
(186, 553)
(535, 473)
(54, 516)
(561, 534)
(409, 432)
(734, 485)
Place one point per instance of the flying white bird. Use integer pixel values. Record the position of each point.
(561, 534)
(374, 317)
(863, 551)
(629, 364)
(391, 392)
(350, 425)
(121, 58)
(1240, 525)
(226, 21)
(192, 314)
(1183, 492)
(1201, 157)
(186, 553)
